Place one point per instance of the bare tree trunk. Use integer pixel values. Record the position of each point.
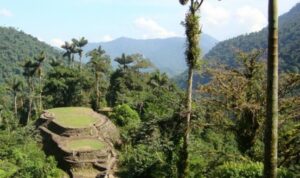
(186, 137)
(80, 58)
(271, 135)
(30, 102)
(21, 102)
(72, 61)
(40, 96)
(15, 104)
(97, 91)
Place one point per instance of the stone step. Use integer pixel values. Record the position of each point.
(85, 161)
(48, 131)
(100, 166)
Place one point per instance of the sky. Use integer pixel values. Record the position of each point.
(56, 21)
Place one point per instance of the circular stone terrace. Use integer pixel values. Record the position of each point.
(86, 144)
(74, 117)
(84, 139)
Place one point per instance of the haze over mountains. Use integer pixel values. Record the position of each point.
(166, 54)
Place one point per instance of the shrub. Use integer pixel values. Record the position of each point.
(142, 161)
(126, 118)
(245, 170)
(22, 157)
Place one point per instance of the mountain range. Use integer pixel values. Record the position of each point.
(166, 54)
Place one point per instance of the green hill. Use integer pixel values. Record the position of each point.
(289, 43)
(15, 47)
(225, 51)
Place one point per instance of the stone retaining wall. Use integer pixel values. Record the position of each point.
(56, 136)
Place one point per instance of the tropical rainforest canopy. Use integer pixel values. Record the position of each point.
(227, 112)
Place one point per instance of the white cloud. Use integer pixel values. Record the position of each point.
(215, 15)
(106, 38)
(6, 13)
(151, 29)
(252, 17)
(40, 38)
(225, 20)
(57, 42)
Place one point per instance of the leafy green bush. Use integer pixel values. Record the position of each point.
(7, 169)
(245, 170)
(126, 118)
(142, 161)
(21, 157)
(66, 86)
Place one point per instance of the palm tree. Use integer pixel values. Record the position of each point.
(71, 50)
(159, 80)
(38, 70)
(28, 74)
(67, 46)
(74, 50)
(79, 44)
(15, 86)
(140, 62)
(193, 31)
(100, 65)
(31, 69)
(124, 61)
(271, 135)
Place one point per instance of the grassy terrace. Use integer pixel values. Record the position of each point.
(73, 117)
(85, 172)
(84, 144)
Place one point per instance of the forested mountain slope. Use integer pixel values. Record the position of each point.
(16, 46)
(289, 43)
(166, 54)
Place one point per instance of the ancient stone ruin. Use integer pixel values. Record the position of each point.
(81, 140)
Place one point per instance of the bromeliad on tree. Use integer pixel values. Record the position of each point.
(193, 51)
(193, 54)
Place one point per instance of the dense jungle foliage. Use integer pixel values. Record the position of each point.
(227, 117)
(15, 47)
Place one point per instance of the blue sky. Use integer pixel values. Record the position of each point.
(55, 21)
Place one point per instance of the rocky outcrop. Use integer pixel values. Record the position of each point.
(85, 152)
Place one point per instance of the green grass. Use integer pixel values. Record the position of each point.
(84, 144)
(85, 172)
(73, 117)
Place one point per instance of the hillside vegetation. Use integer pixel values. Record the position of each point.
(226, 52)
(17, 46)
(152, 128)
(289, 43)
